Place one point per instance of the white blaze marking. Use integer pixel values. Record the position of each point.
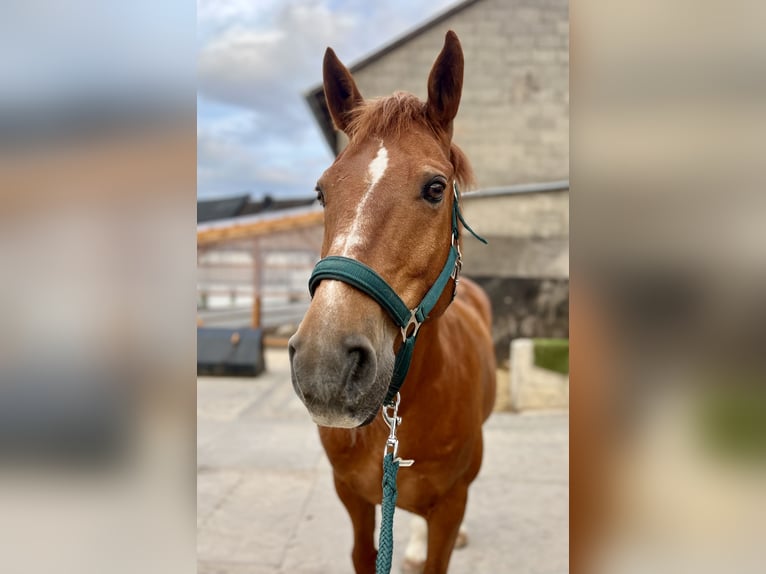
(334, 292)
(375, 172)
(377, 167)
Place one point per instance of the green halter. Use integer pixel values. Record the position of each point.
(408, 320)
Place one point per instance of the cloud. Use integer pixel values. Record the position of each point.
(218, 12)
(266, 58)
(236, 152)
(267, 141)
(256, 61)
(267, 70)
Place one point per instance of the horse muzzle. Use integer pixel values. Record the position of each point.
(339, 381)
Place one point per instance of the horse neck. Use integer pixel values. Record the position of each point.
(429, 353)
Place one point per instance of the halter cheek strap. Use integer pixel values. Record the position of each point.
(368, 281)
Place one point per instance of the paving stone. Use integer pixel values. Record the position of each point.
(256, 520)
(266, 501)
(212, 489)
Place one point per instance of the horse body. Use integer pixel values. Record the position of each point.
(449, 392)
(385, 206)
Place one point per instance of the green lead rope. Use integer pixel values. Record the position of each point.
(386, 539)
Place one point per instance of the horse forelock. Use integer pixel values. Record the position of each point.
(396, 114)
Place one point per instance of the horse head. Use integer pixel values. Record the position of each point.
(388, 203)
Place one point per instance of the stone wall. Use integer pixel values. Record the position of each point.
(528, 308)
(533, 387)
(528, 235)
(514, 115)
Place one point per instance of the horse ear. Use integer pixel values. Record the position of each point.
(445, 84)
(340, 90)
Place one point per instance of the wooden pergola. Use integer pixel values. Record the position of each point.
(256, 234)
(250, 228)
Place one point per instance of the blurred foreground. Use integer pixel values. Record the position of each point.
(97, 353)
(668, 316)
(97, 209)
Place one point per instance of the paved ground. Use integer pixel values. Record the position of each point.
(266, 503)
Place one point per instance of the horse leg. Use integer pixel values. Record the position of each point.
(462, 538)
(417, 546)
(443, 526)
(362, 515)
(415, 554)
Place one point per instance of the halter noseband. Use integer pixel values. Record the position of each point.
(365, 279)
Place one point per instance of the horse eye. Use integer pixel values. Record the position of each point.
(434, 191)
(320, 195)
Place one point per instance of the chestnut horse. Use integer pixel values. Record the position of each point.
(388, 201)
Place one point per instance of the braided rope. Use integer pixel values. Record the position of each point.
(386, 539)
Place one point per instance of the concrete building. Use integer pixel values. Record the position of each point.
(513, 125)
(514, 113)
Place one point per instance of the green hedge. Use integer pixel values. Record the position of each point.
(552, 354)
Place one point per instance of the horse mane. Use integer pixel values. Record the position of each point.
(397, 113)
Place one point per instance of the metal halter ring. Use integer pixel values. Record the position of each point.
(413, 321)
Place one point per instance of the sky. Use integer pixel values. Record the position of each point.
(256, 60)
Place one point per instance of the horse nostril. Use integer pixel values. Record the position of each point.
(361, 363)
(292, 347)
(357, 359)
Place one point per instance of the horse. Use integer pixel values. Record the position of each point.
(388, 205)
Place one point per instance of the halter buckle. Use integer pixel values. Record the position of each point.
(413, 321)
(458, 266)
(456, 270)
